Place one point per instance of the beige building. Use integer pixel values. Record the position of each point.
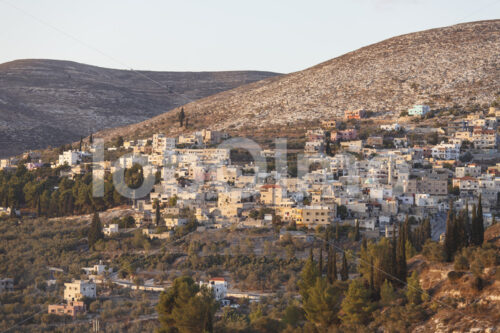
(271, 194)
(78, 289)
(315, 215)
(429, 185)
(484, 139)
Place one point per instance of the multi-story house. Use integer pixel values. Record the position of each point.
(218, 285)
(271, 194)
(466, 183)
(484, 138)
(472, 170)
(446, 151)
(70, 157)
(78, 289)
(433, 185)
(315, 215)
(71, 309)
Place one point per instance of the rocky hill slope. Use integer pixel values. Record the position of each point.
(49, 102)
(455, 65)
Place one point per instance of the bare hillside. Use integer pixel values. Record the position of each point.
(456, 65)
(49, 102)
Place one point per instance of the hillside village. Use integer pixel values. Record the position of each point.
(369, 188)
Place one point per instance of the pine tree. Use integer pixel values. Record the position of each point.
(387, 294)
(357, 305)
(322, 304)
(308, 277)
(344, 271)
(95, 232)
(414, 291)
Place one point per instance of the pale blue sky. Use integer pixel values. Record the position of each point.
(282, 36)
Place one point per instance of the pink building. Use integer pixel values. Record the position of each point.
(70, 309)
(345, 135)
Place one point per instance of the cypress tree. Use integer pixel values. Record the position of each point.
(328, 149)
(473, 227)
(182, 115)
(95, 231)
(356, 231)
(401, 255)
(157, 213)
(394, 263)
(480, 223)
(91, 139)
(450, 238)
(467, 223)
(329, 266)
(372, 283)
(344, 271)
(320, 261)
(337, 232)
(460, 231)
(334, 266)
(364, 244)
(39, 206)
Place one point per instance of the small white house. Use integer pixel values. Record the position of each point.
(111, 229)
(218, 286)
(70, 157)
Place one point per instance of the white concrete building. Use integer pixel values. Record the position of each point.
(78, 289)
(446, 151)
(70, 157)
(218, 285)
